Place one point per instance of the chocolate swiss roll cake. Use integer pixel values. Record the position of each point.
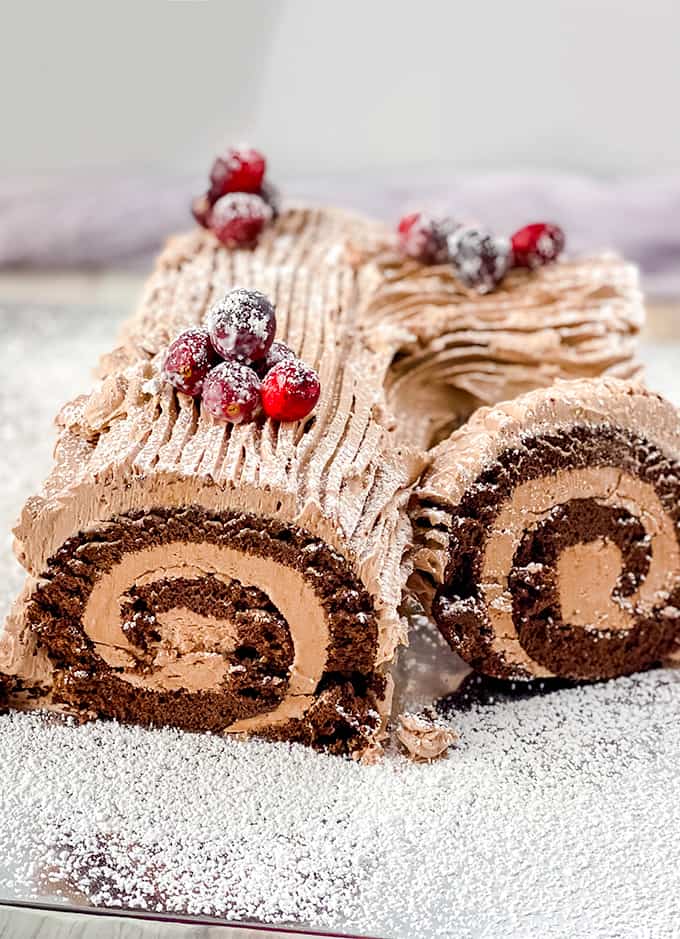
(248, 577)
(549, 533)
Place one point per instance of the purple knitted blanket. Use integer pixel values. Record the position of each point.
(103, 220)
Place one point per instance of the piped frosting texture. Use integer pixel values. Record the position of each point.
(565, 321)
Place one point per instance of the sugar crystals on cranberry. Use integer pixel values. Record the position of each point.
(278, 352)
(231, 392)
(480, 260)
(238, 219)
(239, 202)
(240, 169)
(242, 325)
(240, 330)
(290, 390)
(425, 238)
(188, 360)
(537, 244)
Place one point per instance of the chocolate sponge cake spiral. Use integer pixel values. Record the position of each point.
(201, 619)
(249, 577)
(550, 528)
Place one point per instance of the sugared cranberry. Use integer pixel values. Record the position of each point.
(272, 197)
(188, 360)
(201, 207)
(538, 244)
(279, 352)
(425, 238)
(290, 391)
(239, 170)
(237, 219)
(480, 260)
(231, 392)
(242, 325)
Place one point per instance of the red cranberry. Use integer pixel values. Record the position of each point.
(480, 260)
(242, 325)
(188, 360)
(290, 390)
(238, 219)
(425, 238)
(201, 208)
(406, 224)
(279, 352)
(538, 244)
(239, 170)
(231, 392)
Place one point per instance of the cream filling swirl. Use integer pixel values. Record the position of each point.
(583, 586)
(287, 589)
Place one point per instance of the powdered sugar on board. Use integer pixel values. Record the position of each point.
(554, 816)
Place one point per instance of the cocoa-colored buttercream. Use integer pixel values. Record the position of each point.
(598, 561)
(111, 631)
(589, 589)
(569, 320)
(286, 588)
(423, 739)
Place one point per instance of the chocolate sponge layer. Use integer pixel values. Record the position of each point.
(565, 649)
(260, 662)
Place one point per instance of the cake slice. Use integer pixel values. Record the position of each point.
(549, 533)
(248, 578)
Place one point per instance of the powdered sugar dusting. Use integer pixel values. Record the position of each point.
(298, 375)
(240, 205)
(553, 817)
(232, 392)
(242, 324)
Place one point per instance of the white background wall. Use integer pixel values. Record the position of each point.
(347, 85)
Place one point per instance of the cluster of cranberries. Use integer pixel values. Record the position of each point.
(240, 201)
(236, 367)
(480, 259)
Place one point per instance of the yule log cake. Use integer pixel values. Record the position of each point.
(247, 577)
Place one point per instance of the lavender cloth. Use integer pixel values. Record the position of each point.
(103, 220)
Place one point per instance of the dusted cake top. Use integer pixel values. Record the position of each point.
(492, 430)
(459, 350)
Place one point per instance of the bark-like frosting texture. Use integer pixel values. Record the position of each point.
(549, 533)
(249, 578)
(575, 319)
